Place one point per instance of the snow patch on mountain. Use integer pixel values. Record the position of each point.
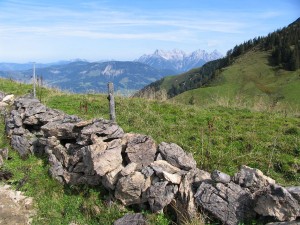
(178, 60)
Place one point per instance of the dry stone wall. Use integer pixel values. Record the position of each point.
(137, 171)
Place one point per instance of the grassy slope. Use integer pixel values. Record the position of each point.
(250, 81)
(219, 138)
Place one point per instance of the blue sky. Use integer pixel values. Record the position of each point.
(47, 31)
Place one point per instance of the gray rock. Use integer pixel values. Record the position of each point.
(162, 165)
(56, 169)
(103, 128)
(4, 153)
(159, 157)
(110, 179)
(60, 153)
(60, 130)
(26, 102)
(129, 188)
(131, 219)
(102, 161)
(253, 179)
(16, 117)
(50, 115)
(130, 168)
(160, 195)
(94, 180)
(1, 161)
(141, 150)
(176, 156)
(186, 208)
(79, 168)
(31, 120)
(295, 192)
(275, 201)
(147, 171)
(219, 176)
(227, 202)
(21, 144)
(9, 99)
(19, 131)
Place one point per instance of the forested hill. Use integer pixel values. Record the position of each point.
(283, 47)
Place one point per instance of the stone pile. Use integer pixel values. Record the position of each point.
(137, 171)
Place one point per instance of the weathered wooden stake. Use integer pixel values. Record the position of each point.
(111, 99)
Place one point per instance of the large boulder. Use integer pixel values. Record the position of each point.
(275, 201)
(251, 178)
(227, 202)
(176, 156)
(141, 150)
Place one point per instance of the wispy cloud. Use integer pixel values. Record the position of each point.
(107, 24)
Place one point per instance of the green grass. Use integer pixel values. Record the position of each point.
(218, 137)
(249, 82)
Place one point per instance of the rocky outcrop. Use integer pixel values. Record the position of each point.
(137, 171)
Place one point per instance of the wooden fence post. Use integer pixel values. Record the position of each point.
(111, 99)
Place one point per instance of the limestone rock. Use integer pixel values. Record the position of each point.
(147, 171)
(295, 192)
(160, 195)
(21, 144)
(275, 201)
(9, 99)
(219, 176)
(50, 115)
(60, 130)
(93, 180)
(141, 150)
(131, 219)
(186, 207)
(253, 179)
(162, 165)
(129, 188)
(100, 161)
(176, 156)
(130, 168)
(228, 202)
(103, 128)
(56, 169)
(3, 105)
(110, 179)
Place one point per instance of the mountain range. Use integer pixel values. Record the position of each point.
(82, 76)
(178, 60)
